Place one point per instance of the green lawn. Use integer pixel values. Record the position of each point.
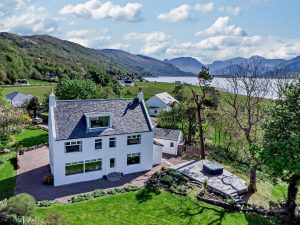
(32, 136)
(145, 207)
(38, 91)
(7, 175)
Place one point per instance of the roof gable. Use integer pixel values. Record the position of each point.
(166, 98)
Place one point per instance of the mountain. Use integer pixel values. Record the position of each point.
(220, 67)
(186, 64)
(39, 55)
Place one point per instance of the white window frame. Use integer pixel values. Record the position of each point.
(133, 137)
(89, 116)
(109, 140)
(133, 155)
(172, 144)
(71, 143)
(97, 141)
(72, 164)
(93, 160)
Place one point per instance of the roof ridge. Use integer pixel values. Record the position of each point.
(100, 99)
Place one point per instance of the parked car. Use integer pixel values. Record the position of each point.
(37, 120)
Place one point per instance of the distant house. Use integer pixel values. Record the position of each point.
(158, 102)
(170, 139)
(91, 139)
(22, 82)
(52, 77)
(17, 99)
(126, 82)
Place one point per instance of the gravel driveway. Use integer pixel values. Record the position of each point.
(34, 164)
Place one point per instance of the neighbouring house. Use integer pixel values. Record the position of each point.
(17, 99)
(126, 82)
(22, 82)
(171, 140)
(91, 139)
(161, 101)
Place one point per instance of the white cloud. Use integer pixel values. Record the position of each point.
(119, 46)
(204, 7)
(181, 13)
(96, 10)
(222, 26)
(231, 10)
(29, 20)
(154, 43)
(89, 38)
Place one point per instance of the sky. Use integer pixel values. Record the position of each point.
(206, 30)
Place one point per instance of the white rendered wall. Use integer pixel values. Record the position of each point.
(167, 146)
(155, 102)
(157, 154)
(88, 152)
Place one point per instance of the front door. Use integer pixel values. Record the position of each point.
(112, 165)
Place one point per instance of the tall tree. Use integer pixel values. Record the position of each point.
(281, 145)
(245, 105)
(204, 100)
(78, 89)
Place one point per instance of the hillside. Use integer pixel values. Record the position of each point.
(187, 64)
(37, 56)
(220, 67)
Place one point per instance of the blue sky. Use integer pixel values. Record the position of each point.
(208, 30)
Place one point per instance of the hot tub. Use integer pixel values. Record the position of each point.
(212, 169)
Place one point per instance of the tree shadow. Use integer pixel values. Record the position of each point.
(146, 194)
(34, 140)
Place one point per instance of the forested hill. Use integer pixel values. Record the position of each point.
(37, 56)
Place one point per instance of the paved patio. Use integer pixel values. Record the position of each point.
(226, 184)
(34, 164)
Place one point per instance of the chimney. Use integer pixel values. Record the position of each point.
(52, 100)
(140, 95)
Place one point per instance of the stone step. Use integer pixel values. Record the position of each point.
(115, 176)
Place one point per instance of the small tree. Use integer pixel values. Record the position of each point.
(281, 152)
(21, 205)
(204, 100)
(34, 106)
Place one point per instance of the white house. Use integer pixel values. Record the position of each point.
(170, 139)
(158, 102)
(89, 139)
(17, 99)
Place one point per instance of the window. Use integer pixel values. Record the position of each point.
(112, 163)
(171, 144)
(112, 142)
(134, 158)
(98, 144)
(134, 139)
(99, 121)
(93, 165)
(73, 146)
(74, 168)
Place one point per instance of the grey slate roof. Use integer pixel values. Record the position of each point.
(166, 134)
(128, 116)
(17, 98)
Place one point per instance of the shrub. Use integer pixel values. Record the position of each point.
(3, 204)
(130, 188)
(98, 193)
(230, 201)
(111, 192)
(44, 116)
(44, 203)
(167, 180)
(21, 205)
(81, 198)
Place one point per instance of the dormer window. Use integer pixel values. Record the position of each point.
(100, 121)
(96, 121)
